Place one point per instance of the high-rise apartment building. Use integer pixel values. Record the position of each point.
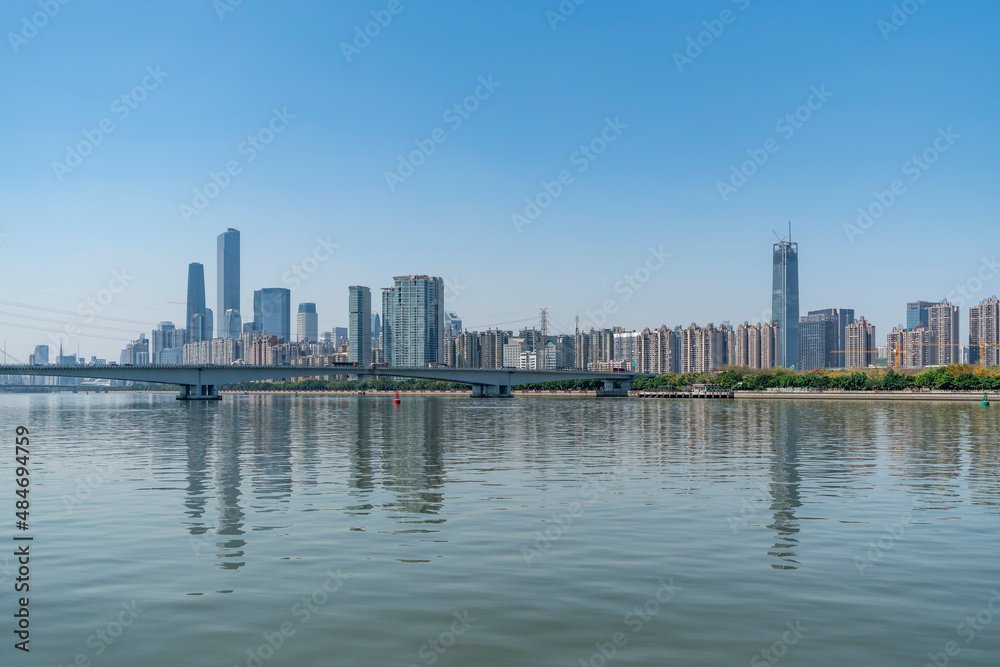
(860, 347)
(942, 320)
(413, 321)
(755, 346)
(785, 300)
(272, 312)
(656, 351)
(228, 285)
(909, 348)
(307, 323)
(359, 333)
(984, 333)
(701, 349)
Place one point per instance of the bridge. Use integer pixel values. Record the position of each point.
(201, 382)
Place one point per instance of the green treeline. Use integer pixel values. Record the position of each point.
(959, 377)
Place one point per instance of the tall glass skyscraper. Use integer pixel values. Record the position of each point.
(359, 332)
(917, 314)
(272, 312)
(785, 300)
(307, 322)
(196, 330)
(228, 261)
(413, 321)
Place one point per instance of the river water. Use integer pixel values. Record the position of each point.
(278, 530)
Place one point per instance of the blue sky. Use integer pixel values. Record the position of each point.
(889, 94)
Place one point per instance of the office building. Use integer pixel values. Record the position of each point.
(228, 285)
(40, 357)
(942, 320)
(817, 342)
(452, 324)
(272, 312)
(196, 304)
(164, 337)
(413, 321)
(917, 314)
(860, 348)
(359, 333)
(307, 323)
(984, 333)
(232, 323)
(840, 317)
(785, 300)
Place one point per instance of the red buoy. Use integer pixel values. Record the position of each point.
(396, 398)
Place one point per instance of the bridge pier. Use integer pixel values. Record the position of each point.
(610, 390)
(199, 392)
(490, 391)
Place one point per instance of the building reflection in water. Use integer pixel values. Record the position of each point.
(412, 461)
(784, 488)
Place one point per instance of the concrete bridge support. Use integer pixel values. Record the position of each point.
(202, 392)
(490, 391)
(614, 388)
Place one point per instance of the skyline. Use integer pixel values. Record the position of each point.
(875, 99)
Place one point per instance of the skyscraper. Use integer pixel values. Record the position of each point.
(228, 261)
(817, 342)
(840, 318)
(359, 332)
(195, 303)
(984, 333)
(860, 346)
(785, 300)
(272, 312)
(413, 321)
(232, 324)
(942, 320)
(307, 322)
(917, 315)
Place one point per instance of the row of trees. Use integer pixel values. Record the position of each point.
(958, 377)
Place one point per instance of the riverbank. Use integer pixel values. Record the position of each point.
(952, 396)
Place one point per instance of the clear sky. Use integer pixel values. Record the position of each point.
(201, 77)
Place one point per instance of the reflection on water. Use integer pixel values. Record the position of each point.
(759, 509)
